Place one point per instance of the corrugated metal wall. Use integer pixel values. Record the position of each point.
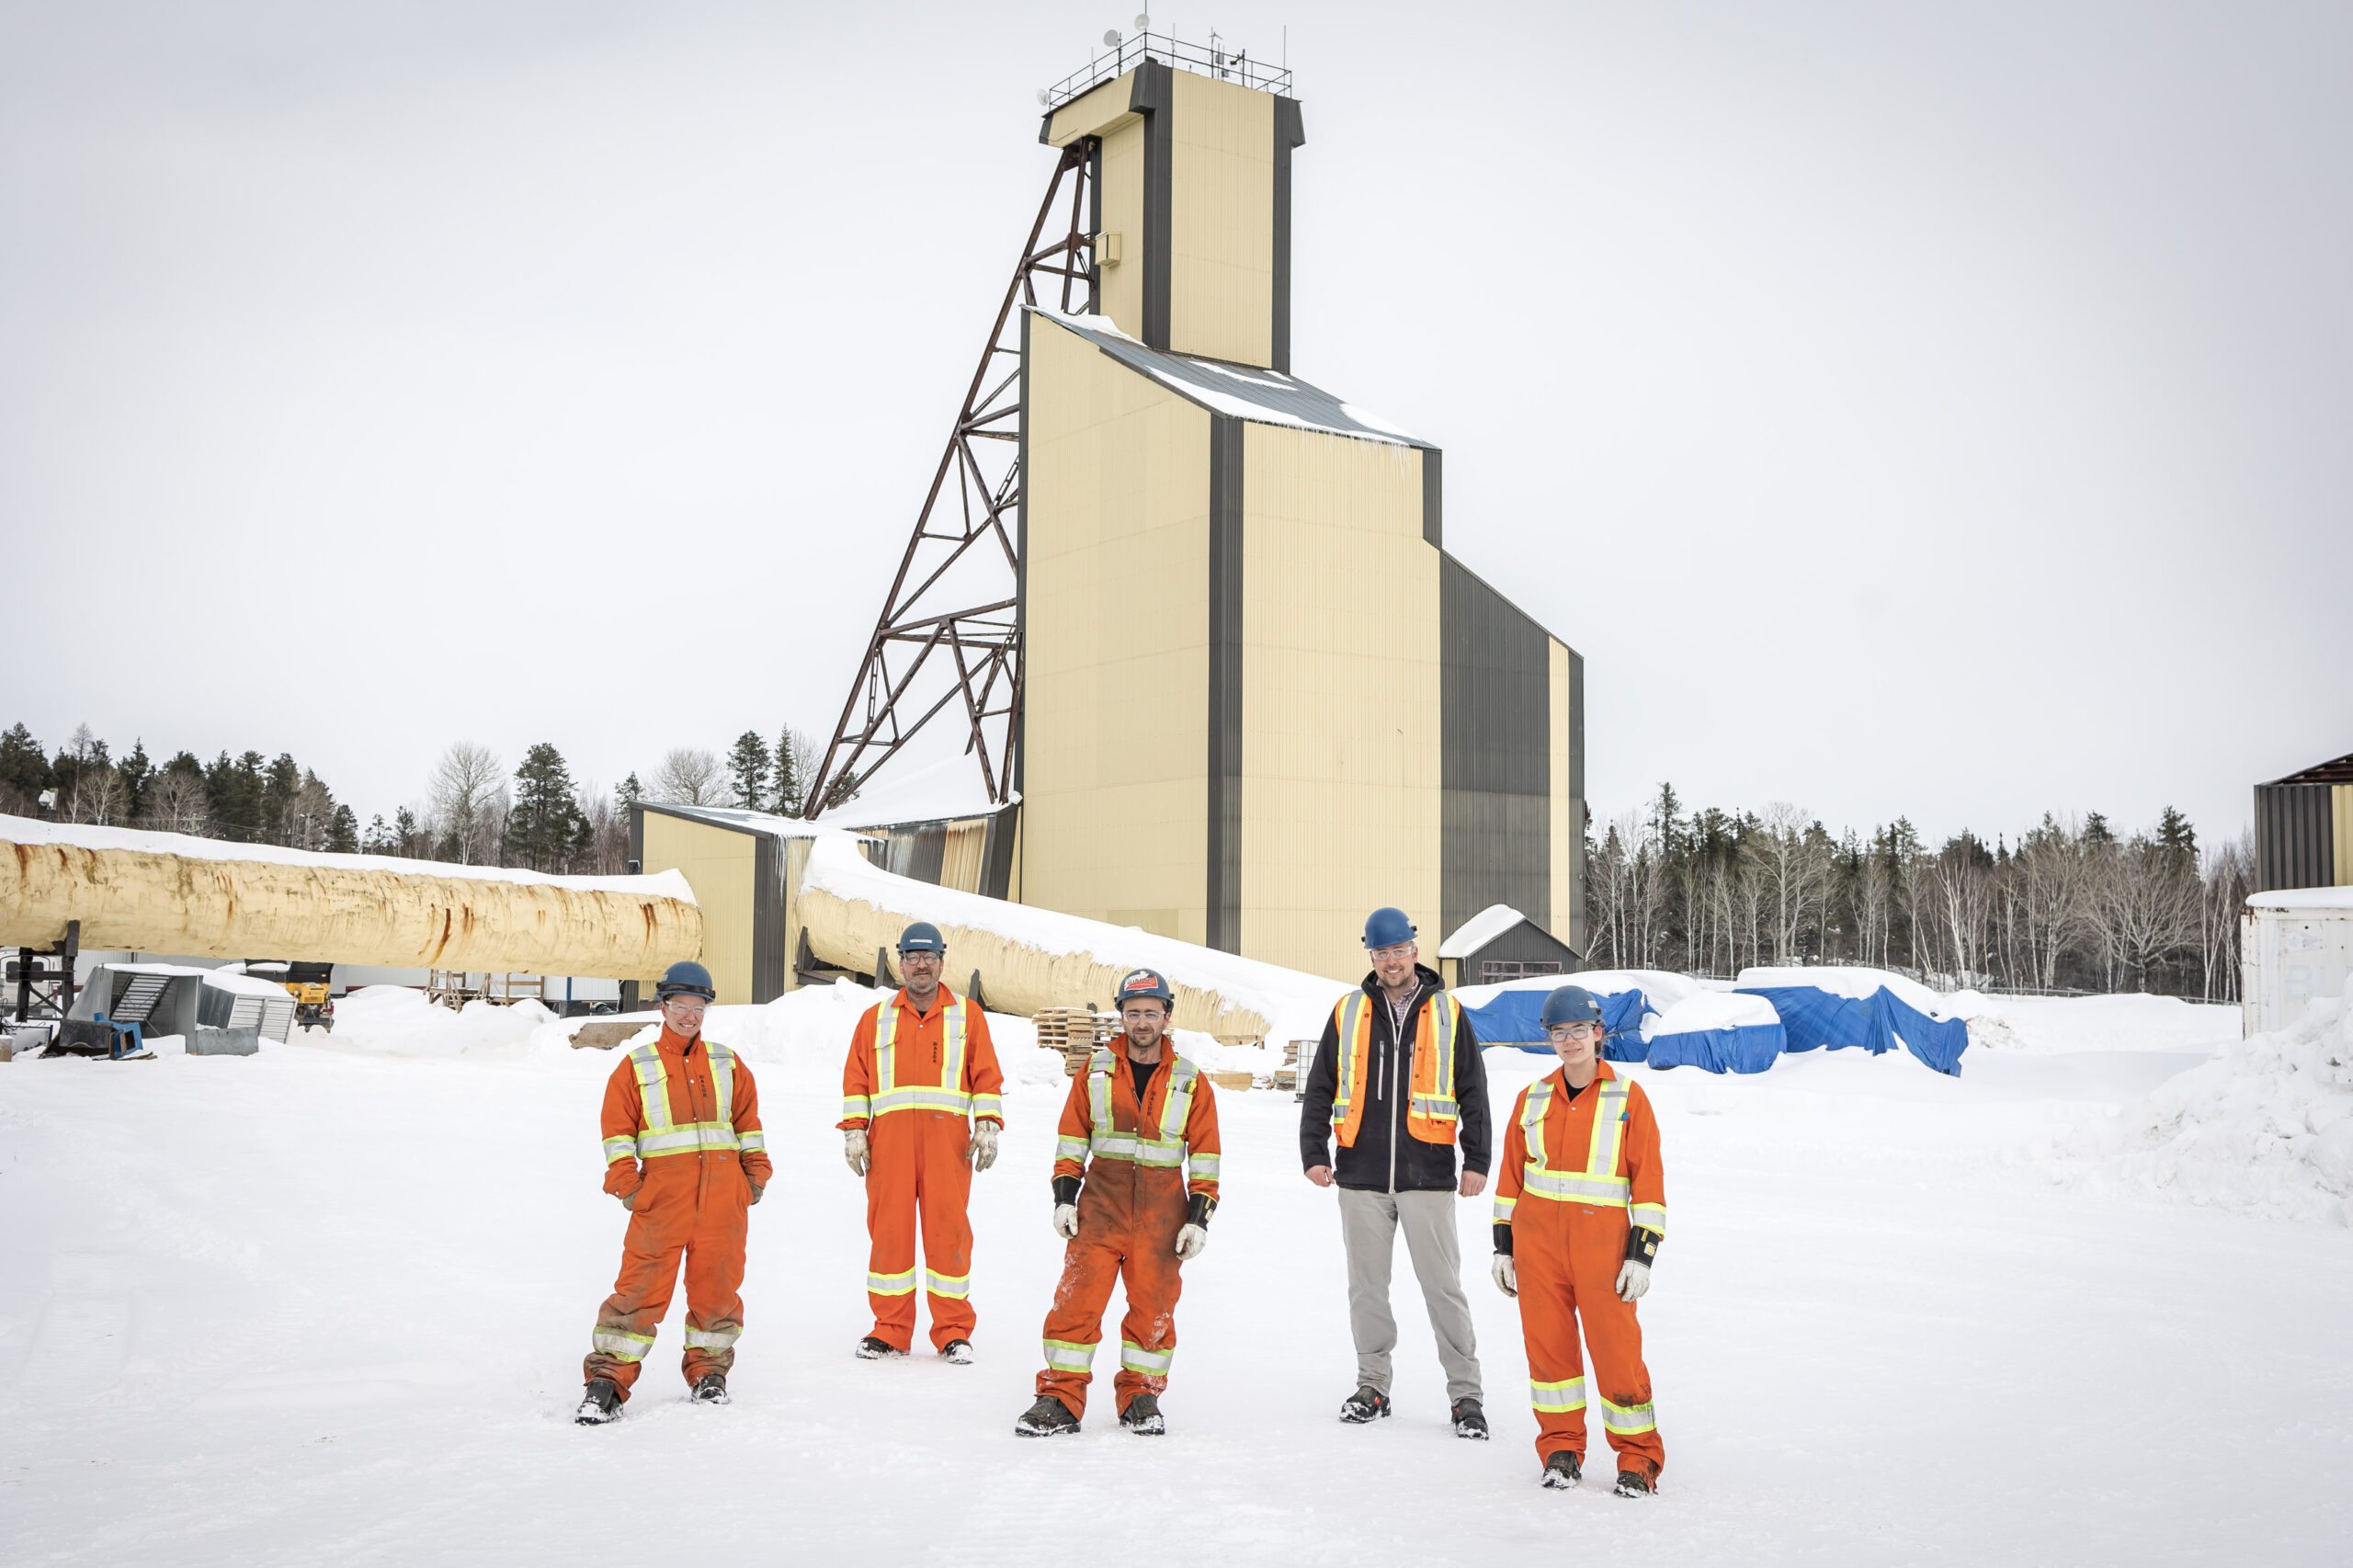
(1496, 752)
(2295, 836)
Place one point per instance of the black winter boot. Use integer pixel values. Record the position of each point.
(712, 1389)
(1049, 1417)
(599, 1403)
(1142, 1416)
(1563, 1470)
(873, 1349)
(1634, 1483)
(1470, 1421)
(1368, 1403)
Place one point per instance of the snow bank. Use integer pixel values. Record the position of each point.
(1661, 988)
(2094, 1023)
(400, 1021)
(2303, 898)
(1715, 1010)
(2265, 1129)
(1842, 980)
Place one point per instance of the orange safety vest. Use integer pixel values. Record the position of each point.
(1431, 1114)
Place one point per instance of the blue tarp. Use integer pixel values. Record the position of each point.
(1744, 1047)
(1516, 1017)
(1813, 1019)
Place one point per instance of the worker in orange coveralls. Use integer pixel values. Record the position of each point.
(921, 1111)
(1138, 1116)
(685, 1154)
(1580, 1211)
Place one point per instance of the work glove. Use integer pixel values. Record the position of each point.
(854, 1150)
(628, 1200)
(1506, 1274)
(757, 1190)
(1066, 1220)
(984, 1145)
(1189, 1243)
(1632, 1280)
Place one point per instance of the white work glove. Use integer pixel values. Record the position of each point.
(1506, 1274)
(1632, 1280)
(984, 1145)
(1066, 1220)
(1190, 1241)
(854, 1150)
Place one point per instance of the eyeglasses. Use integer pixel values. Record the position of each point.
(1571, 1031)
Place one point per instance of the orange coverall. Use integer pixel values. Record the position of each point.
(1128, 1214)
(686, 1202)
(1571, 1187)
(919, 1157)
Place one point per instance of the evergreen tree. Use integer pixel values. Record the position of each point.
(135, 770)
(410, 841)
(748, 765)
(545, 823)
(24, 769)
(343, 832)
(2178, 838)
(630, 793)
(282, 785)
(233, 797)
(2097, 834)
(378, 838)
(791, 771)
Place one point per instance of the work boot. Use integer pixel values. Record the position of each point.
(1368, 1403)
(600, 1403)
(1049, 1417)
(1142, 1416)
(1634, 1483)
(712, 1389)
(1563, 1470)
(873, 1349)
(1470, 1421)
(957, 1352)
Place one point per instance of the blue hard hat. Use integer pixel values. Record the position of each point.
(685, 978)
(922, 937)
(1571, 1004)
(1138, 983)
(1387, 929)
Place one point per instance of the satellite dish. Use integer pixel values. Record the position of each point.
(1111, 37)
(1043, 95)
(1143, 21)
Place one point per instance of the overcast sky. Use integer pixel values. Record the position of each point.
(1928, 409)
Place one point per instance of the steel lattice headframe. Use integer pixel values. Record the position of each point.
(978, 646)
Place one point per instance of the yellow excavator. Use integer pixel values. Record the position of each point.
(308, 984)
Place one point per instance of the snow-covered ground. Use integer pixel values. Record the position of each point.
(327, 1305)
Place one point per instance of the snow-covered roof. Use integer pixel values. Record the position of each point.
(1479, 930)
(238, 985)
(736, 817)
(950, 789)
(1246, 391)
(1850, 980)
(2302, 898)
(81, 836)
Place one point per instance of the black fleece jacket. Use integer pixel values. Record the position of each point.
(1365, 1165)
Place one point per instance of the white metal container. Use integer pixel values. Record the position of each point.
(2295, 945)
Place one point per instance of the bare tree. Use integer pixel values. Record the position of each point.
(608, 832)
(176, 803)
(689, 776)
(1873, 889)
(1793, 871)
(2142, 905)
(468, 789)
(97, 796)
(2229, 878)
(1961, 888)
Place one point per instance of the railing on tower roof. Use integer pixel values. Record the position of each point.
(1214, 59)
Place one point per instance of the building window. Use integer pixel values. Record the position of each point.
(1494, 970)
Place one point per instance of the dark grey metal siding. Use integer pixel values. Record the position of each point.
(1152, 95)
(1578, 937)
(769, 958)
(2295, 841)
(1523, 943)
(996, 851)
(1223, 895)
(1495, 752)
(1290, 132)
(1434, 495)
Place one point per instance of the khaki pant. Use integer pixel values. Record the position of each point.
(1369, 1226)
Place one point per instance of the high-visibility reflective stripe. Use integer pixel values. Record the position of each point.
(710, 1338)
(948, 1093)
(754, 1142)
(1649, 1216)
(653, 1088)
(663, 1133)
(1204, 1168)
(1166, 1151)
(1607, 1192)
(694, 1138)
(619, 1149)
(1598, 1184)
(1627, 1419)
(1503, 1206)
(1559, 1398)
(1349, 1019)
(954, 1286)
(989, 1105)
(1070, 1148)
(621, 1342)
(1134, 1357)
(1441, 1109)
(891, 1284)
(855, 1106)
(1069, 1355)
(722, 1087)
(1608, 1129)
(1539, 1099)
(1435, 1096)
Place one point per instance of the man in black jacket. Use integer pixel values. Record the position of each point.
(1398, 1080)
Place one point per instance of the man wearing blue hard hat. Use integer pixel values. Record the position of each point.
(1398, 1082)
(1580, 1210)
(920, 1113)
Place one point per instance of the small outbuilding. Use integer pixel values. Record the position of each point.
(1499, 943)
(2304, 827)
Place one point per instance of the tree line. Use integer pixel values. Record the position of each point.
(474, 811)
(2068, 905)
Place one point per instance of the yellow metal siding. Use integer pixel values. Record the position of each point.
(2340, 804)
(718, 865)
(1091, 112)
(1222, 277)
(1116, 665)
(1123, 191)
(1340, 697)
(1562, 832)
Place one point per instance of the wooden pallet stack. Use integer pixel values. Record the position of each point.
(1075, 1032)
(1298, 1056)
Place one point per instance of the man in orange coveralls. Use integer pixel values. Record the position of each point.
(1580, 1210)
(685, 1154)
(921, 1111)
(1138, 1116)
